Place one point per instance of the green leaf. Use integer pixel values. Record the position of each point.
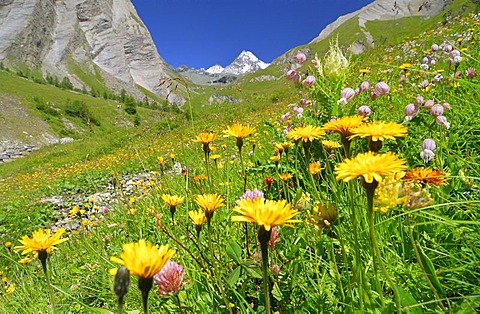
(298, 195)
(234, 251)
(254, 272)
(430, 271)
(408, 302)
(277, 293)
(234, 276)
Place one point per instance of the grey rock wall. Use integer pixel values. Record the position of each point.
(97, 35)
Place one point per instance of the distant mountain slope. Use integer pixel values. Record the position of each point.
(83, 40)
(381, 10)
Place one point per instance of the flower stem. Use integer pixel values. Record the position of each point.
(376, 250)
(120, 305)
(145, 285)
(358, 267)
(42, 256)
(420, 263)
(337, 274)
(180, 309)
(263, 237)
(215, 271)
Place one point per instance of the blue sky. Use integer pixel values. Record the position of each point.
(201, 33)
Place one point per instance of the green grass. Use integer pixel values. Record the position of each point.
(92, 81)
(326, 263)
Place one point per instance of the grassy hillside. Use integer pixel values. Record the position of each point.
(348, 225)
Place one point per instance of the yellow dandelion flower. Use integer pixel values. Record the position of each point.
(266, 213)
(275, 159)
(370, 166)
(160, 160)
(344, 125)
(328, 144)
(215, 157)
(209, 203)
(198, 217)
(41, 242)
(8, 244)
(286, 146)
(172, 200)
(144, 259)
(239, 131)
(25, 260)
(10, 289)
(405, 66)
(206, 137)
(306, 134)
(379, 131)
(285, 176)
(278, 149)
(315, 167)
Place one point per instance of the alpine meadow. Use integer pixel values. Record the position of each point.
(333, 180)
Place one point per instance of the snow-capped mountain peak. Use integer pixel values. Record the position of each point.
(215, 69)
(246, 62)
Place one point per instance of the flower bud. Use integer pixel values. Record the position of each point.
(429, 104)
(429, 144)
(364, 111)
(446, 106)
(347, 93)
(448, 48)
(410, 112)
(301, 58)
(364, 86)
(381, 88)
(275, 269)
(297, 78)
(290, 74)
(309, 81)
(434, 47)
(442, 120)
(427, 155)
(436, 110)
(419, 100)
(122, 282)
(305, 102)
(454, 53)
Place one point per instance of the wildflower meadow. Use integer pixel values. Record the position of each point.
(360, 195)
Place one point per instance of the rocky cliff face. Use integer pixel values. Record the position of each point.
(103, 37)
